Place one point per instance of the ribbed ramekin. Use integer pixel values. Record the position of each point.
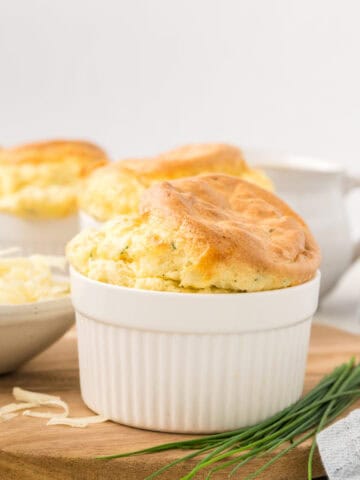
(86, 221)
(44, 236)
(181, 362)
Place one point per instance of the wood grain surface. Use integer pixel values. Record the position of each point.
(29, 450)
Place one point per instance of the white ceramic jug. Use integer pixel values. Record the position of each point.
(316, 190)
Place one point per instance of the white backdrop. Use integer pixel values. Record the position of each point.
(139, 76)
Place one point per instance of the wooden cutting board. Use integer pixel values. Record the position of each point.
(30, 450)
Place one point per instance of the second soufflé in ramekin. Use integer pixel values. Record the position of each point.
(117, 188)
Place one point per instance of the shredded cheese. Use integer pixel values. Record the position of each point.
(29, 279)
(33, 400)
(79, 422)
(29, 400)
(15, 407)
(7, 416)
(22, 395)
(53, 403)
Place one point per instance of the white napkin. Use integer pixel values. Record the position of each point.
(339, 447)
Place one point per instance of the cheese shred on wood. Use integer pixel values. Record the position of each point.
(29, 400)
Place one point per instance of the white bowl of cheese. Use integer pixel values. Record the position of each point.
(35, 308)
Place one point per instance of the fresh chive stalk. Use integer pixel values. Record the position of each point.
(279, 434)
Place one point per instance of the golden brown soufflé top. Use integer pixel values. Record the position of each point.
(42, 180)
(117, 188)
(209, 233)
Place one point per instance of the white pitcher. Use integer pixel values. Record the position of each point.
(316, 190)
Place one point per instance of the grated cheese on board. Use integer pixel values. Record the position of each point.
(29, 400)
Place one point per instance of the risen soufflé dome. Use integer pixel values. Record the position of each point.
(117, 188)
(42, 180)
(209, 233)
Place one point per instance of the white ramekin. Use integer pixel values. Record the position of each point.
(87, 221)
(181, 362)
(44, 236)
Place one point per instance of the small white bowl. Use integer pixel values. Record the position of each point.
(28, 329)
(183, 362)
(43, 236)
(87, 221)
